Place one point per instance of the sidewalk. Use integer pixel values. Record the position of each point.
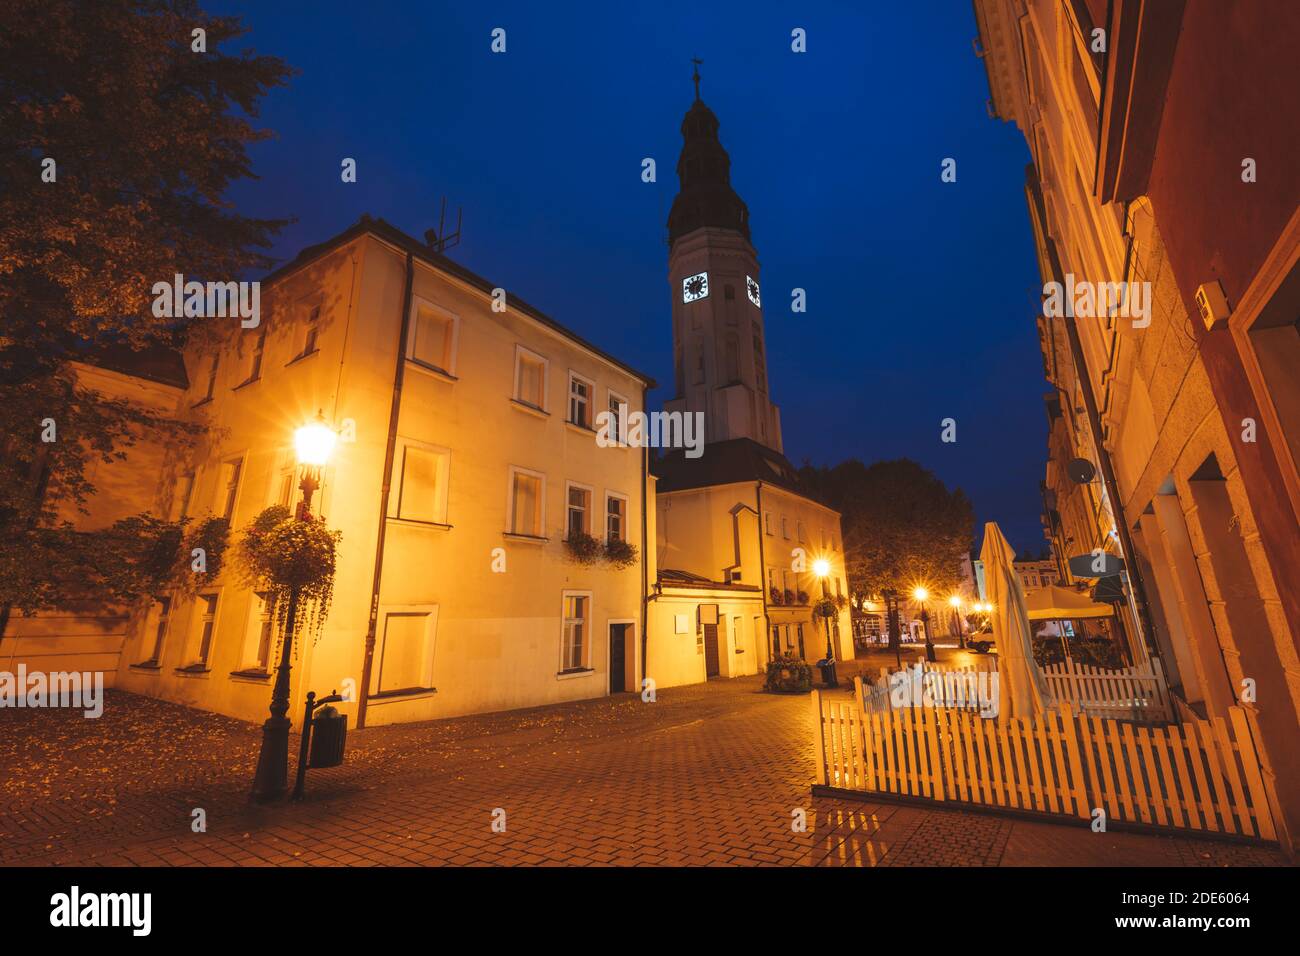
(709, 774)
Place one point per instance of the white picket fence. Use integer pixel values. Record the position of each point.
(1139, 693)
(1201, 775)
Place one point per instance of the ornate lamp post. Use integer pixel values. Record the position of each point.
(822, 568)
(314, 443)
(922, 595)
(955, 603)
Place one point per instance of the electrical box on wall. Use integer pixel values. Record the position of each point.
(1213, 305)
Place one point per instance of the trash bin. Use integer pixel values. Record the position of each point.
(827, 665)
(329, 733)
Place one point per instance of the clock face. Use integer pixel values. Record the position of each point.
(751, 288)
(695, 287)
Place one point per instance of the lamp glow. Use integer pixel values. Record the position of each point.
(955, 600)
(921, 594)
(314, 443)
(821, 567)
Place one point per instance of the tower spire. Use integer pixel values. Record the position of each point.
(697, 61)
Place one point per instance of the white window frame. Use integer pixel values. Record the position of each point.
(627, 511)
(253, 636)
(310, 343)
(222, 495)
(591, 401)
(430, 646)
(520, 352)
(511, 471)
(442, 505)
(591, 504)
(585, 664)
(158, 628)
(611, 398)
(785, 527)
(767, 523)
(196, 628)
(417, 303)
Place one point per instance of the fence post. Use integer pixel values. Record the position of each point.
(819, 736)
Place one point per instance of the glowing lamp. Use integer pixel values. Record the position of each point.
(314, 443)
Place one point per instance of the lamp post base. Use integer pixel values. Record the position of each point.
(272, 780)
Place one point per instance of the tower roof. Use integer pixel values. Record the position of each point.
(704, 170)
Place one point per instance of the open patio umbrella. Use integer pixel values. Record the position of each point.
(1054, 603)
(1021, 689)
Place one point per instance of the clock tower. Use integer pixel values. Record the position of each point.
(719, 344)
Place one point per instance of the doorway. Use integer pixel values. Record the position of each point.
(711, 668)
(618, 634)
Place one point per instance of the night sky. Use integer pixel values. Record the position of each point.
(921, 294)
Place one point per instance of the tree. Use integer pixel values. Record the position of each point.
(902, 526)
(118, 140)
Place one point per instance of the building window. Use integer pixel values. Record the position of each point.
(530, 378)
(579, 511)
(229, 487)
(732, 353)
(212, 379)
(579, 401)
(432, 337)
(310, 332)
(802, 532)
(404, 655)
(162, 621)
(205, 609)
(615, 517)
(618, 413)
(184, 496)
(767, 522)
(573, 651)
(699, 363)
(422, 481)
(785, 527)
(526, 497)
(265, 626)
(255, 360)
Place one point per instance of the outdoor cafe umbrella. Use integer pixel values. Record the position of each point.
(1054, 603)
(1020, 684)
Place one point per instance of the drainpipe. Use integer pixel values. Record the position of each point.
(762, 572)
(645, 551)
(1094, 426)
(390, 452)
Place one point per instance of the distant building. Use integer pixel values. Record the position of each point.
(737, 538)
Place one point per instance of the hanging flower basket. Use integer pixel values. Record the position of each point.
(620, 553)
(282, 555)
(582, 548)
(825, 608)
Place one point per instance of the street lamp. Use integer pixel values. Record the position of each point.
(955, 603)
(313, 443)
(822, 568)
(922, 595)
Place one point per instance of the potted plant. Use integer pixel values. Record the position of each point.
(803, 597)
(582, 547)
(620, 553)
(776, 596)
(788, 675)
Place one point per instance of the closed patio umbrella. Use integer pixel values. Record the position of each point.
(1021, 689)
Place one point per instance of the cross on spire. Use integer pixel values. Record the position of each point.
(697, 61)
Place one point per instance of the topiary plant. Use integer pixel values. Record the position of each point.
(788, 675)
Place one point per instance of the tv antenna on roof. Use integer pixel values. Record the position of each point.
(440, 240)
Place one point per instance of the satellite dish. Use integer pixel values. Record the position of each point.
(1081, 471)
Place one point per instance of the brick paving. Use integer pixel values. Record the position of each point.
(705, 775)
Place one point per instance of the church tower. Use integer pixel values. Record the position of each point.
(719, 344)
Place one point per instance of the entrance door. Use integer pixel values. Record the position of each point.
(618, 658)
(711, 668)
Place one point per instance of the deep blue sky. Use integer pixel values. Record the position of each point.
(920, 294)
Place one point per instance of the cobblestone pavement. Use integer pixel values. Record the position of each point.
(709, 774)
